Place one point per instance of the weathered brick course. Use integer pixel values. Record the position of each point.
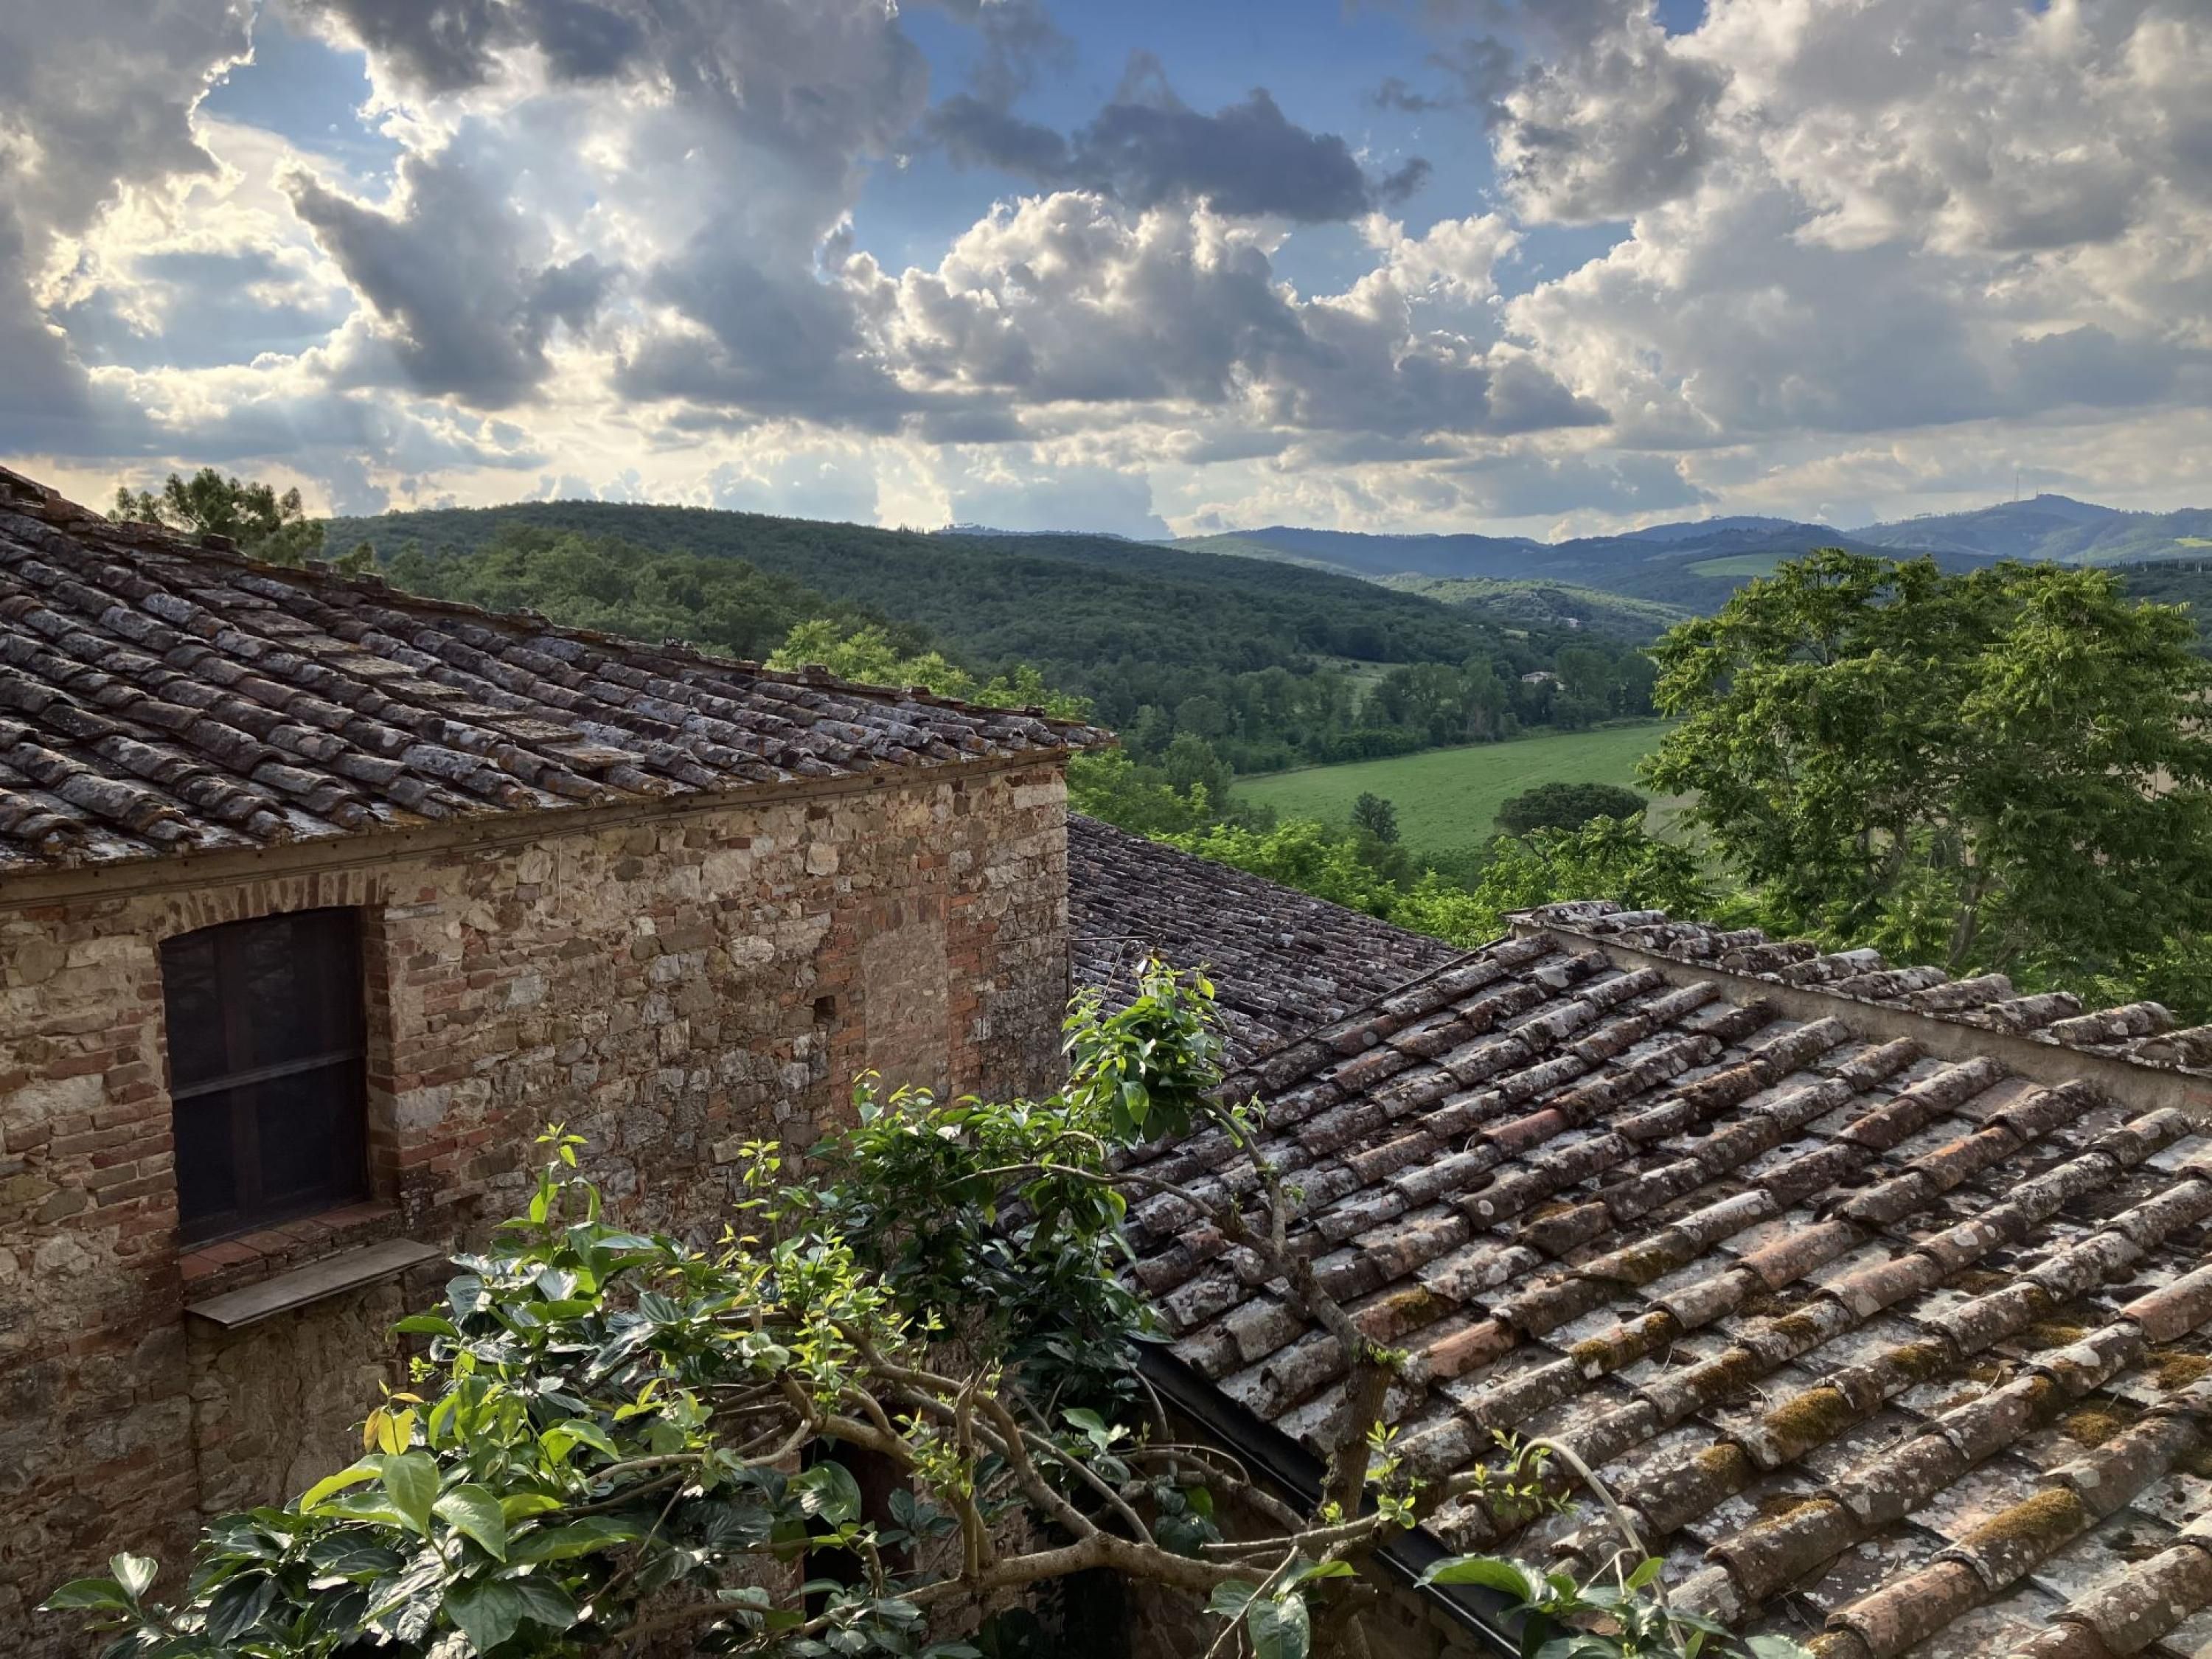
(670, 988)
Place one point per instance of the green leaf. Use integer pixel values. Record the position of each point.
(1644, 1575)
(1774, 1647)
(522, 1505)
(1136, 1101)
(134, 1573)
(485, 1611)
(473, 1511)
(1229, 1597)
(544, 1602)
(410, 1478)
(87, 1593)
(571, 1432)
(426, 1325)
(573, 1538)
(829, 1492)
(368, 1469)
(1278, 1629)
(239, 1606)
(1488, 1571)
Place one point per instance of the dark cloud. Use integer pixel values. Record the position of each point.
(448, 45)
(769, 344)
(1394, 188)
(2093, 366)
(1483, 67)
(469, 308)
(1249, 158)
(1396, 93)
(975, 132)
(1018, 36)
(1148, 147)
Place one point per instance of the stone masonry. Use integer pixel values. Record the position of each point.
(669, 981)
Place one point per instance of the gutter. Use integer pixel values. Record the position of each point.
(1489, 1616)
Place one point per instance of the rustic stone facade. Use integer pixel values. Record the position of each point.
(669, 981)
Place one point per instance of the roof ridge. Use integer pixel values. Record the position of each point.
(2141, 1033)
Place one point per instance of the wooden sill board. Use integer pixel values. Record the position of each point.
(332, 1276)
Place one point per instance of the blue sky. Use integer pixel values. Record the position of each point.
(1148, 267)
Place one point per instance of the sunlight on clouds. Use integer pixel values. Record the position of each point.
(1851, 259)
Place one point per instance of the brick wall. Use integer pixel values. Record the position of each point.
(669, 987)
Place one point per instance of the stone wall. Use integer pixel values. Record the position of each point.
(668, 986)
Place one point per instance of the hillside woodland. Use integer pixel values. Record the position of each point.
(1994, 766)
(1266, 666)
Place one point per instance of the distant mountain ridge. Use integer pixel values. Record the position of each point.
(2055, 527)
(1697, 564)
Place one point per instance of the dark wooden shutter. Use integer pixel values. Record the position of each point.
(266, 1070)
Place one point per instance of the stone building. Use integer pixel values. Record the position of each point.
(317, 902)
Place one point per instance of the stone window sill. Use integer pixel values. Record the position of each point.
(334, 1275)
(229, 1264)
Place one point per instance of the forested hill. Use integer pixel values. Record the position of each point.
(1269, 664)
(1695, 566)
(1061, 602)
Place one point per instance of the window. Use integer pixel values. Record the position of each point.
(266, 1070)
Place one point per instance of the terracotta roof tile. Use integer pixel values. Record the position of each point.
(158, 696)
(1282, 963)
(1806, 1293)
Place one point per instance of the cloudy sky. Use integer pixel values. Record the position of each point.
(1540, 266)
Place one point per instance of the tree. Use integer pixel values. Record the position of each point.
(1567, 806)
(265, 525)
(1330, 863)
(871, 655)
(1606, 858)
(1999, 769)
(1142, 799)
(1377, 817)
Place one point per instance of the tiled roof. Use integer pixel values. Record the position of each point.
(1281, 962)
(158, 696)
(1892, 1352)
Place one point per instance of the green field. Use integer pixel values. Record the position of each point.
(1738, 564)
(1450, 797)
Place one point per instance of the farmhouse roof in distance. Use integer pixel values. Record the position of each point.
(1281, 962)
(1880, 1300)
(159, 695)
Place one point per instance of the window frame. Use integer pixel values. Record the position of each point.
(323, 947)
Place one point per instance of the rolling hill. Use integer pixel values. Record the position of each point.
(1536, 603)
(1268, 663)
(2054, 527)
(1693, 566)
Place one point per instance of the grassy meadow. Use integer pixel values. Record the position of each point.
(1449, 797)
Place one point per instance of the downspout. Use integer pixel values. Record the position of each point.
(1488, 1615)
